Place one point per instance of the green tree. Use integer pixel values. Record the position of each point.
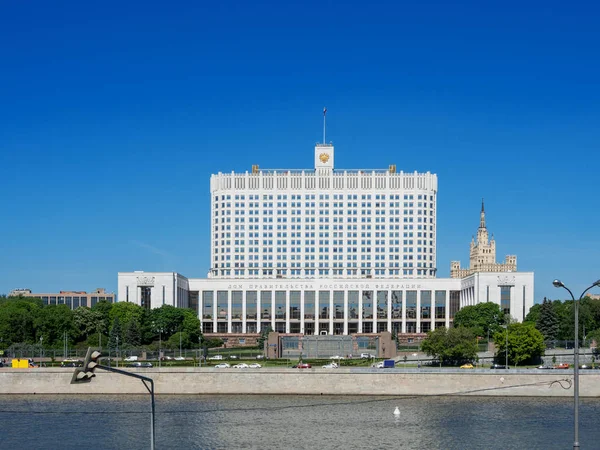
(264, 334)
(115, 337)
(53, 321)
(534, 313)
(548, 321)
(126, 312)
(482, 317)
(451, 346)
(174, 344)
(17, 319)
(133, 335)
(525, 343)
(88, 321)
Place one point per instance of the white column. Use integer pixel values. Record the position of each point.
(273, 300)
(317, 311)
(215, 311)
(244, 311)
(258, 312)
(302, 311)
(418, 311)
(403, 311)
(287, 310)
(360, 311)
(447, 318)
(331, 311)
(346, 312)
(229, 311)
(389, 311)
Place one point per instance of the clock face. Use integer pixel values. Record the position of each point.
(324, 157)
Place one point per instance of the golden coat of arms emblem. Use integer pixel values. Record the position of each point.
(324, 157)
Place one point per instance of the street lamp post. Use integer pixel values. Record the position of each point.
(506, 347)
(559, 284)
(117, 358)
(41, 349)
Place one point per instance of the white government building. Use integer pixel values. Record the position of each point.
(326, 251)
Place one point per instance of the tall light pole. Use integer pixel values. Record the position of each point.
(41, 349)
(506, 347)
(559, 284)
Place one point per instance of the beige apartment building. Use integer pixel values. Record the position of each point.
(73, 299)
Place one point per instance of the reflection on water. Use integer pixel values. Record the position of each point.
(295, 422)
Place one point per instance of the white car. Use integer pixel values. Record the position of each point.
(366, 356)
(222, 366)
(255, 366)
(241, 366)
(179, 358)
(337, 357)
(216, 357)
(330, 366)
(131, 358)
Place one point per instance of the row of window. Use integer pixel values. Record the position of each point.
(325, 305)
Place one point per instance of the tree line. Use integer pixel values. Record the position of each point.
(523, 343)
(26, 320)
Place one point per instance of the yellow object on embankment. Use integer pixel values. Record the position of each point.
(20, 364)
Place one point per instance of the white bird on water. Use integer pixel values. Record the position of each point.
(397, 411)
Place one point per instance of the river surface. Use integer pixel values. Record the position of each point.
(295, 422)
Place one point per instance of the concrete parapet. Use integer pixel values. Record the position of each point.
(342, 381)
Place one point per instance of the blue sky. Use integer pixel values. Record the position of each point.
(114, 115)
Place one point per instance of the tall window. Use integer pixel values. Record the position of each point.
(411, 304)
(280, 305)
(146, 297)
(265, 304)
(251, 305)
(454, 303)
(324, 304)
(367, 307)
(338, 304)
(440, 304)
(236, 304)
(222, 305)
(207, 304)
(353, 305)
(295, 304)
(382, 304)
(505, 299)
(309, 307)
(425, 304)
(396, 304)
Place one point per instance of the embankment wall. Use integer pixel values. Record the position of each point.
(550, 383)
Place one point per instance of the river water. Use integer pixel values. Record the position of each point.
(295, 422)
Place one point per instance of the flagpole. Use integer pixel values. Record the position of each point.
(324, 115)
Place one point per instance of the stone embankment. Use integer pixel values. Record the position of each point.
(342, 381)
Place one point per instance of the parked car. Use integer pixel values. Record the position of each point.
(498, 366)
(234, 357)
(260, 356)
(367, 356)
(222, 366)
(542, 367)
(562, 366)
(139, 364)
(255, 366)
(179, 358)
(241, 366)
(131, 358)
(585, 366)
(304, 366)
(337, 357)
(330, 366)
(71, 363)
(216, 357)
(467, 366)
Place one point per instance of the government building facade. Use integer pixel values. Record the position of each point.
(330, 252)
